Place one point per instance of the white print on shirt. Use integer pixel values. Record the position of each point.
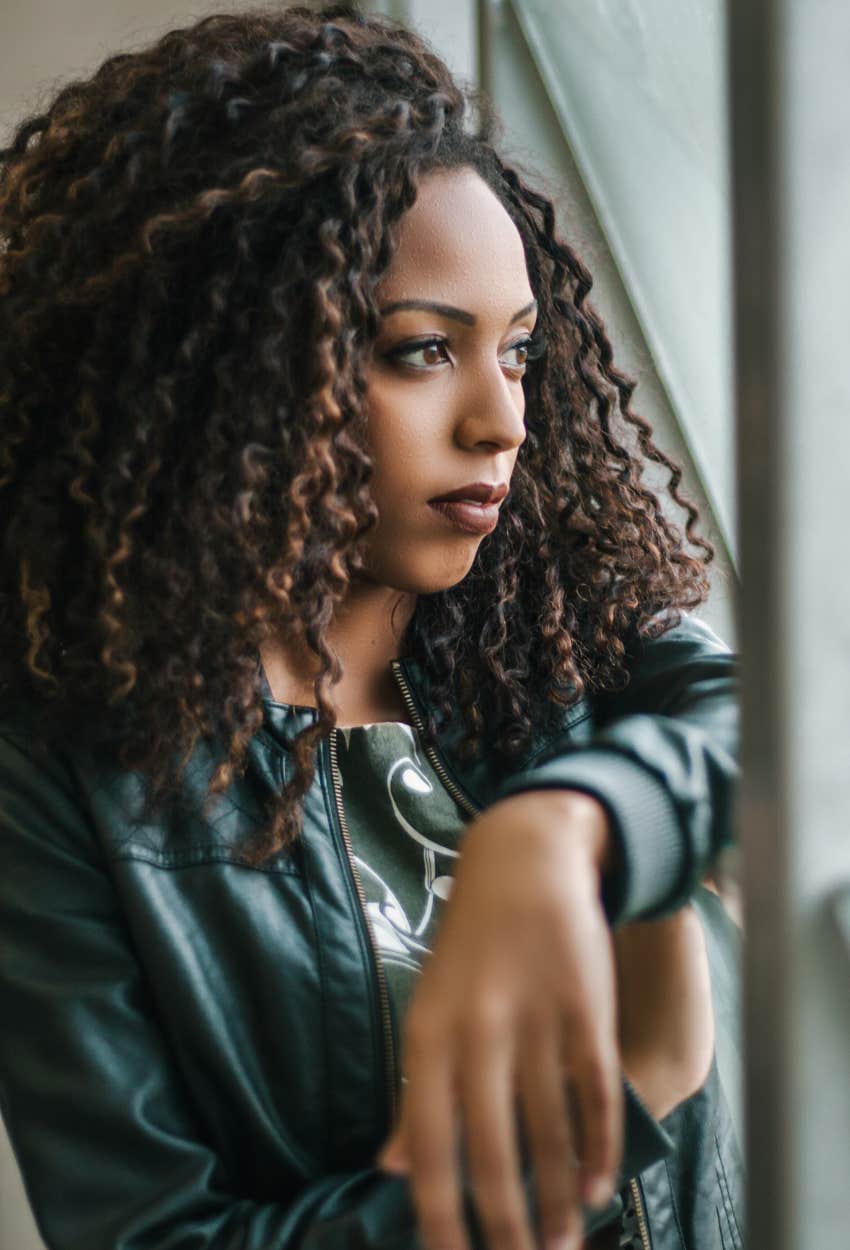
(397, 934)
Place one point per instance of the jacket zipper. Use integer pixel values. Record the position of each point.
(383, 995)
(640, 1212)
(463, 800)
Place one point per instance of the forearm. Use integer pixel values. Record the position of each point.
(665, 1015)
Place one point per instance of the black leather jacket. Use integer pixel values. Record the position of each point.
(198, 1054)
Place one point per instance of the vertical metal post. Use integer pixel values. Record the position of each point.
(486, 18)
(762, 459)
(791, 174)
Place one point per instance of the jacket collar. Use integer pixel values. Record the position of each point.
(478, 776)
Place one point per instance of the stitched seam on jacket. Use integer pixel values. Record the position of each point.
(727, 1193)
(197, 853)
(720, 1229)
(320, 960)
(726, 1207)
(674, 1205)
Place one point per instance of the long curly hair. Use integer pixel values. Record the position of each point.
(191, 243)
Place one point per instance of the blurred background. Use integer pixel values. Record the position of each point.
(699, 161)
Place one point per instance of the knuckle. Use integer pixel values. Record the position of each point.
(536, 1031)
(575, 1021)
(557, 1186)
(489, 1167)
(537, 1024)
(573, 1030)
(552, 1144)
(485, 1023)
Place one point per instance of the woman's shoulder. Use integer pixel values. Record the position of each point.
(26, 738)
(676, 647)
(43, 815)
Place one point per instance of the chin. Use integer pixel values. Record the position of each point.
(430, 581)
(423, 577)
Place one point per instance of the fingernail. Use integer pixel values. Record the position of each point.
(600, 1191)
(564, 1242)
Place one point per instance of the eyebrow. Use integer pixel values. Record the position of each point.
(447, 310)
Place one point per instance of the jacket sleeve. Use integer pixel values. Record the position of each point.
(662, 759)
(109, 1145)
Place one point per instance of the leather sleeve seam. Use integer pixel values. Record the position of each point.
(199, 854)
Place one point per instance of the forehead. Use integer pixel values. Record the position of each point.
(458, 244)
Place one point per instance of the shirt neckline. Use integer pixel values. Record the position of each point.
(268, 698)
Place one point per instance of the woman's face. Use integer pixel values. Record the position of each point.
(445, 398)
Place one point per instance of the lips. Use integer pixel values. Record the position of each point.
(474, 492)
(473, 508)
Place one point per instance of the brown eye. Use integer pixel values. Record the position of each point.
(526, 351)
(430, 352)
(521, 354)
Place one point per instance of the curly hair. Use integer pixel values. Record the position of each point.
(191, 243)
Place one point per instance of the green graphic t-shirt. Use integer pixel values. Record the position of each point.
(405, 831)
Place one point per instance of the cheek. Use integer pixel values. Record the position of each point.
(403, 444)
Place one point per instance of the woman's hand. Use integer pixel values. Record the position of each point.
(517, 996)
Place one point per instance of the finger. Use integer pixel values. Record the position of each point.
(591, 1057)
(545, 1110)
(431, 1139)
(393, 1156)
(490, 1135)
(598, 1093)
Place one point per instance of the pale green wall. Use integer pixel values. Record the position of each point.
(535, 134)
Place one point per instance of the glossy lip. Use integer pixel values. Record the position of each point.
(480, 492)
(472, 518)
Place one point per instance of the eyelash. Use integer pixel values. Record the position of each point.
(536, 348)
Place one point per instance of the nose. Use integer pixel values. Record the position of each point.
(491, 411)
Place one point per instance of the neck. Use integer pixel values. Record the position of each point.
(365, 633)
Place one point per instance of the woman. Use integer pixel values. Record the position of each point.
(266, 305)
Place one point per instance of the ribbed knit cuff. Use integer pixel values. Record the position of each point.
(652, 854)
